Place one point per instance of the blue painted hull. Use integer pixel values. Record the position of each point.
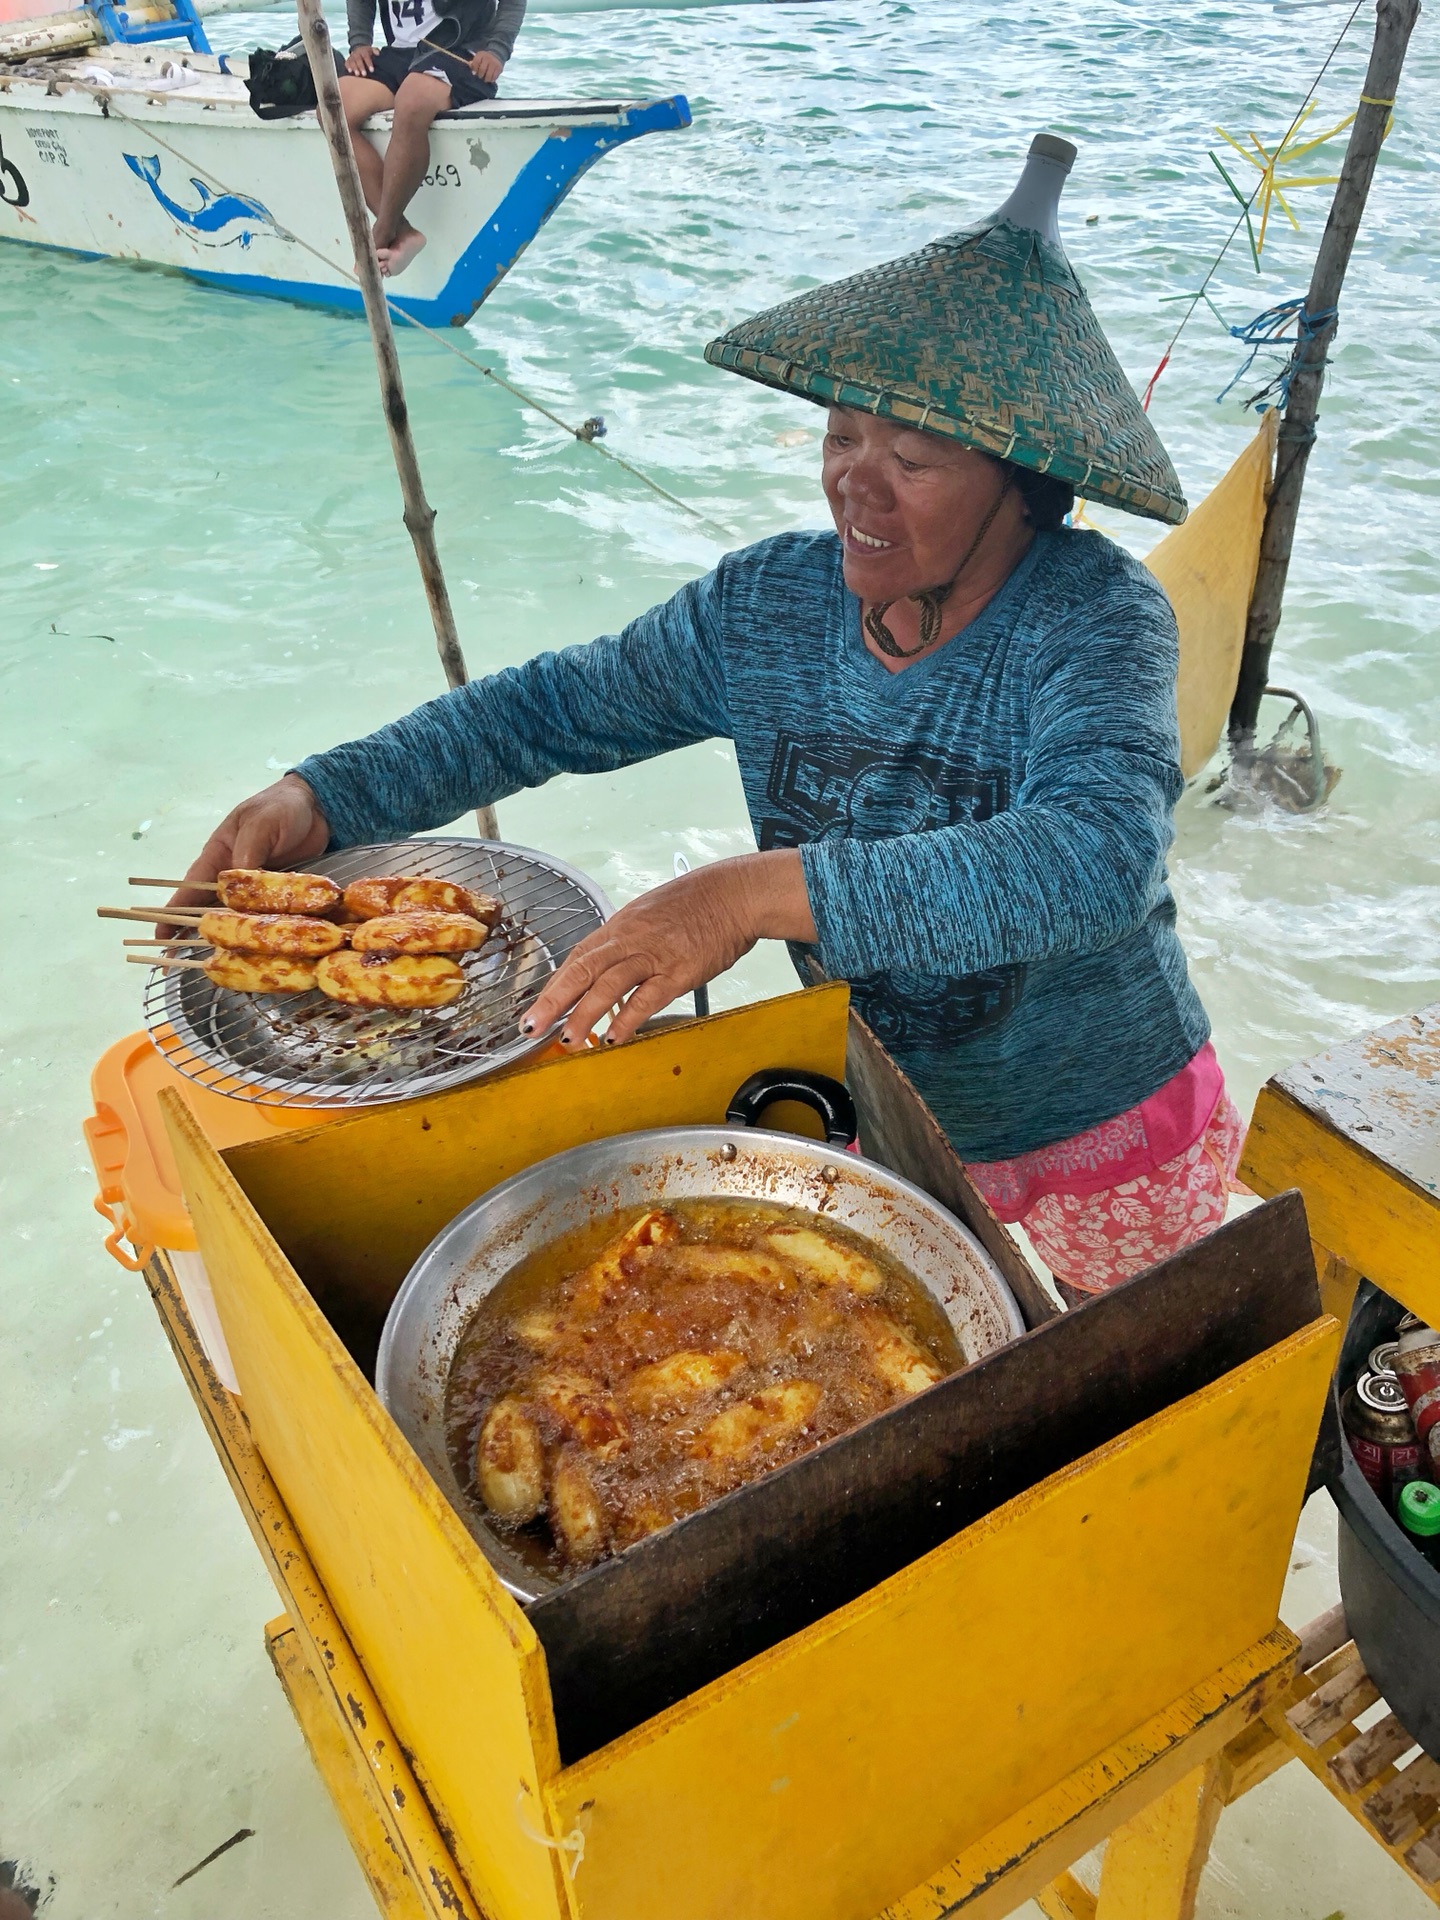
(251, 207)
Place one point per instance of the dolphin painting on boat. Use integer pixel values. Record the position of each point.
(215, 212)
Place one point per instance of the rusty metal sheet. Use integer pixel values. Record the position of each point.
(1382, 1092)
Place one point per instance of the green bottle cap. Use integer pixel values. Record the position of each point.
(1420, 1508)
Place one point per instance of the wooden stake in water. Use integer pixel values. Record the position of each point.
(1394, 23)
(419, 514)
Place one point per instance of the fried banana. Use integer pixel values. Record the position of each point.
(402, 980)
(259, 972)
(583, 1410)
(576, 1512)
(897, 1357)
(444, 896)
(411, 893)
(593, 1284)
(541, 1328)
(419, 933)
(254, 890)
(650, 1516)
(759, 1424)
(298, 936)
(678, 1381)
(510, 1463)
(828, 1261)
(368, 899)
(708, 1262)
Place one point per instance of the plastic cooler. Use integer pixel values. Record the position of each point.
(139, 1188)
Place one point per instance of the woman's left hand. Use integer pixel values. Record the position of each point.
(486, 66)
(672, 940)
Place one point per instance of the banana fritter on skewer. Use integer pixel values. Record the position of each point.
(411, 893)
(254, 890)
(260, 972)
(298, 935)
(418, 933)
(399, 980)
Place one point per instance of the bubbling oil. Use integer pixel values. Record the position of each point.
(646, 1380)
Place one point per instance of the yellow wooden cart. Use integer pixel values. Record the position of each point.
(1069, 1663)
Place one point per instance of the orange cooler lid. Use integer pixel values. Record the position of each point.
(139, 1193)
(139, 1187)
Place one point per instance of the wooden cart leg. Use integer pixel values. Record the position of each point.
(1152, 1864)
(1066, 1898)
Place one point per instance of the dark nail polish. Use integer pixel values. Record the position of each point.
(527, 1026)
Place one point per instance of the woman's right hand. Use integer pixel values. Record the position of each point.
(361, 62)
(281, 826)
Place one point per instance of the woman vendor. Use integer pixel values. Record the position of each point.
(954, 718)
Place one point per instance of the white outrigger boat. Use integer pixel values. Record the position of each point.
(153, 153)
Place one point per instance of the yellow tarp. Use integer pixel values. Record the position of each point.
(1207, 567)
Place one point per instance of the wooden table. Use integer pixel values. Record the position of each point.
(1357, 1130)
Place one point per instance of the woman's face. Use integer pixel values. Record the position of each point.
(907, 505)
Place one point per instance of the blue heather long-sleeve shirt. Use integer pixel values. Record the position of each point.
(983, 834)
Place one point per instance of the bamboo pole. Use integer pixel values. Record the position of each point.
(419, 514)
(1394, 23)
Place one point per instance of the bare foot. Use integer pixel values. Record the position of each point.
(398, 255)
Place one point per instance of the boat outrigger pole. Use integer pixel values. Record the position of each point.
(1394, 23)
(419, 514)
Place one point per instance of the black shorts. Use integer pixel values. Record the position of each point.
(392, 64)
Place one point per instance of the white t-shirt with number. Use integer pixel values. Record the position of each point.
(411, 21)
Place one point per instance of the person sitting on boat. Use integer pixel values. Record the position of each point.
(434, 58)
(955, 723)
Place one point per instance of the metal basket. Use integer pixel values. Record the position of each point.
(293, 1050)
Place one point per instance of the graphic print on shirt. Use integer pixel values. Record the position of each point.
(408, 21)
(837, 788)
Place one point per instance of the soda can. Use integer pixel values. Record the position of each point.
(1382, 1358)
(1417, 1369)
(1381, 1434)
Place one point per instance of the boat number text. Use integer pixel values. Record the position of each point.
(48, 146)
(446, 176)
(13, 190)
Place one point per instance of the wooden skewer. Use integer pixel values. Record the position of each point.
(147, 960)
(200, 886)
(181, 916)
(165, 943)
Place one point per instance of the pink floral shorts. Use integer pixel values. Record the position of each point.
(1092, 1241)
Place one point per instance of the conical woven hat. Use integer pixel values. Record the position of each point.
(985, 336)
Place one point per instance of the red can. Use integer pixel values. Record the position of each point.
(1381, 1434)
(1417, 1368)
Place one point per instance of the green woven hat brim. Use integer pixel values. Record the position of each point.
(984, 336)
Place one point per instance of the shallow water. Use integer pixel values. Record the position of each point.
(206, 577)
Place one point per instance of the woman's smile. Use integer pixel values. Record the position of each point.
(865, 542)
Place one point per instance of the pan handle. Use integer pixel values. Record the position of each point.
(824, 1096)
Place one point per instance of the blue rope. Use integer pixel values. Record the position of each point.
(1270, 331)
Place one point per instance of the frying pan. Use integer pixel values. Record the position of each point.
(738, 1160)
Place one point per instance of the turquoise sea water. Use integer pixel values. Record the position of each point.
(205, 577)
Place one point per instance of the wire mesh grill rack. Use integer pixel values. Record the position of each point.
(291, 1050)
